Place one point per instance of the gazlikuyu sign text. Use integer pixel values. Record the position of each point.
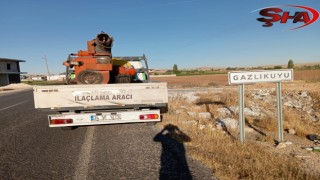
(248, 77)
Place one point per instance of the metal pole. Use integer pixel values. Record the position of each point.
(45, 59)
(279, 107)
(241, 112)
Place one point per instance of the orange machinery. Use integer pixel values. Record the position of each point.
(94, 66)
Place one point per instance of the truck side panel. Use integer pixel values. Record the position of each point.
(91, 96)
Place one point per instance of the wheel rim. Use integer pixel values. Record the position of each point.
(89, 77)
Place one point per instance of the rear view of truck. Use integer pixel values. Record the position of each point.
(102, 89)
(78, 105)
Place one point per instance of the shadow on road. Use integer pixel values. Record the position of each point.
(173, 158)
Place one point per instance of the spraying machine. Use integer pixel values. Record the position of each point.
(97, 66)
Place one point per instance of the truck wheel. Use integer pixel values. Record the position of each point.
(90, 77)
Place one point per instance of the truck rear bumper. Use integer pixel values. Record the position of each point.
(99, 118)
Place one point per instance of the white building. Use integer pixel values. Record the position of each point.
(60, 77)
(10, 71)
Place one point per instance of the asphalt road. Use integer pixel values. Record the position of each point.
(29, 149)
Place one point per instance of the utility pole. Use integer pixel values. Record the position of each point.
(45, 59)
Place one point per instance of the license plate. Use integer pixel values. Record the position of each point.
(105, 117)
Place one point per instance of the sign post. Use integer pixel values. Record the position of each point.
(279, 113)
(241, 112)
(251, 77)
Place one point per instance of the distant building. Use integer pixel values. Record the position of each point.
(60, 77)
(10, 71)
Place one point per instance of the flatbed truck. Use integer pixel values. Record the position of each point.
(97, 104)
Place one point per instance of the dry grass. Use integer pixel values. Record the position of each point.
(316, 95)
(229, 159)
(222, 151)
(293, 119)
(297, 121)
(229, 97)
(267, 123)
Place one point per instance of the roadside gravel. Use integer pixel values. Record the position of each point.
(14, 87)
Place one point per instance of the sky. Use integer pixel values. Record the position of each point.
(189, 33)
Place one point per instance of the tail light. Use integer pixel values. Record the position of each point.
(148, 116)
(61, 121)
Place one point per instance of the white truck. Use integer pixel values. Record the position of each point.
(96, 104)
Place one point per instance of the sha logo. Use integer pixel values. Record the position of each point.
(304, 14)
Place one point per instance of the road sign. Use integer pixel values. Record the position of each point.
(250, 77)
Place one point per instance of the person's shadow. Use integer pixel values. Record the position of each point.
(173, 159)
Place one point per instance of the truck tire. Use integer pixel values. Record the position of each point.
(90, 77)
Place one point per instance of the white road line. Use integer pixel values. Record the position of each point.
(82, 166)
(14, 105)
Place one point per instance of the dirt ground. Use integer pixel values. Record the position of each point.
(307, 80)
(222, 79)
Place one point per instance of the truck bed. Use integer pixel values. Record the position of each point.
(101, 96)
